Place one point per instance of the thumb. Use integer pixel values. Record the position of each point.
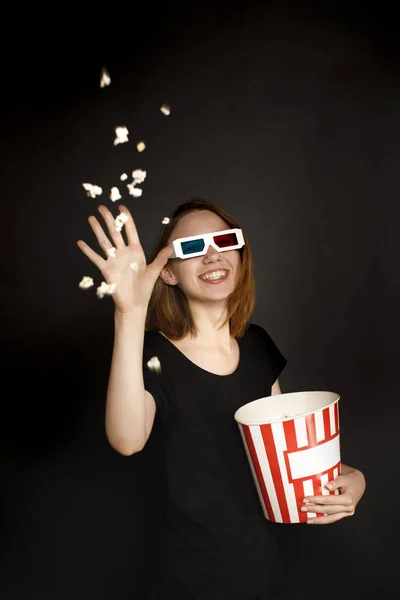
(335, 484)
(163, 256)
(161, 260)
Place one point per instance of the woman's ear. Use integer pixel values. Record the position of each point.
(168, 277)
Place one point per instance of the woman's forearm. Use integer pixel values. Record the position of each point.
(125, 407)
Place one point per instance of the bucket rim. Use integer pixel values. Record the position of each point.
(297, 416)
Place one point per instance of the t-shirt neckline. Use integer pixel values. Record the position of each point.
(187, 359)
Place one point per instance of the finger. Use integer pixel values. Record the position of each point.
(91, 254)
(110, 222)
(130, 227)
(327, 509)
(100, 234)
(327, 520)
(329, 499)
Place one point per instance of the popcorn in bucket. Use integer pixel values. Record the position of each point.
(292, 444)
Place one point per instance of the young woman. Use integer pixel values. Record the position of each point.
(191, 308)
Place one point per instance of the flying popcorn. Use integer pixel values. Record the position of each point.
(165, 109)
(120, 220)
(105, 78)
(86, 283)
(139, 176)
(105, 289)
(92, 190)
(141, 146)
(134, 191)
(134, 267)
(112, 252)
(154, 364)
(124, 177)
(165, 220)
(122, 135)
(115, 195)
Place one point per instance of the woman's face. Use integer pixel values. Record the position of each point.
(187, 273)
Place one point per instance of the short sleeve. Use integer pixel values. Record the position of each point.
(154, 379)
(276, 359)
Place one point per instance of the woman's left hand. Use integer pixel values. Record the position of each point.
(335, 507)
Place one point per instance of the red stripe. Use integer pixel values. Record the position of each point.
(299, 493)
(311, 431)
(257, 468)
(269, 444)
(317, 490)
(290, 435)
(327, 423)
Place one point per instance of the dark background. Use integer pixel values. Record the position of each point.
(286, 114)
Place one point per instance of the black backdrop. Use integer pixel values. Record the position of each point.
(287, 115)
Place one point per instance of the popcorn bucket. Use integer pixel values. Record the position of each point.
(292, 444)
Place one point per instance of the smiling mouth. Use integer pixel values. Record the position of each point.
(215, 280)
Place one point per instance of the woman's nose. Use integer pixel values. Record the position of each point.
(211, 252)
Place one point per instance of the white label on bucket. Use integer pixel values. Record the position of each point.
(312, 461)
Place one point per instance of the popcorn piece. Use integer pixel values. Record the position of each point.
(134, 191)
(92, 190)
(105, 289)
(134, 266)
(293, 416)
(120, 220)
(165, 109)
(154, 364)
(165, 220)
(111, 252)
(105, 78)
(86, 283)
(122, 135)
(122, 217)
(115, 195)
(141, 146)
(124, 177)
(138, 176)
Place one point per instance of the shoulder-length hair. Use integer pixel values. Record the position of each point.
(168, 310)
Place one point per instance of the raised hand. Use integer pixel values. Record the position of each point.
(134, 280)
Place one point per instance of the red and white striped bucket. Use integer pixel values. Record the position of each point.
(292, 443)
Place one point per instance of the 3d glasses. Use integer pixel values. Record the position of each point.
(196, 245)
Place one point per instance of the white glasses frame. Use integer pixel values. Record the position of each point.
(208, 241)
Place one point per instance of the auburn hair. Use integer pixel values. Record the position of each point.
(168, 310)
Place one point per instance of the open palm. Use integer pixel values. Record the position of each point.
(134, 280)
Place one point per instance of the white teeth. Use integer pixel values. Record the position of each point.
(214, 275)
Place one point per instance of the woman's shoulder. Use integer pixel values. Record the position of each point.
(257, 334)
(255, 331)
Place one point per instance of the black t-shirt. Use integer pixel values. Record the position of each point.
(215, 541)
